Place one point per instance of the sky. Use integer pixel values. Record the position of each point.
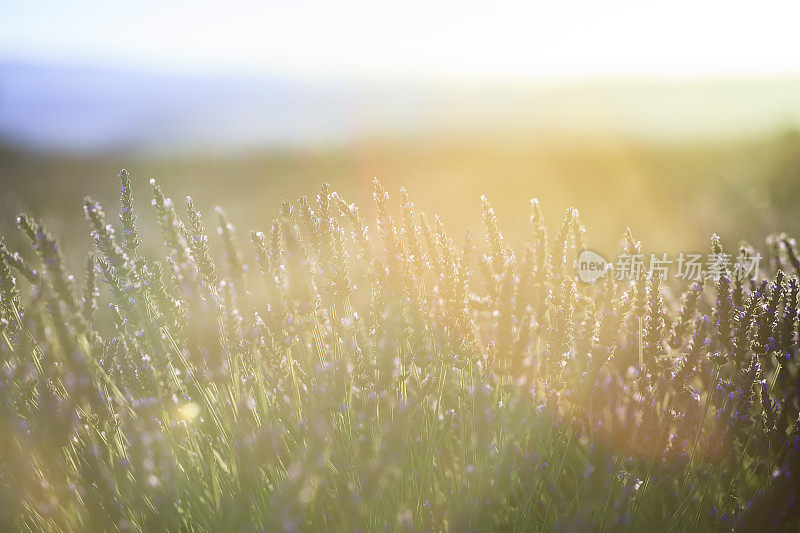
(446, 40)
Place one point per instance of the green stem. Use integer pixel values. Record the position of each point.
(558, 477)
(697, 438)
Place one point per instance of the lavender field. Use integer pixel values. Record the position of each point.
(358, 368)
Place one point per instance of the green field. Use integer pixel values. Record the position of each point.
(355, 364)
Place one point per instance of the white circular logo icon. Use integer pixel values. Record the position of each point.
(591, 266)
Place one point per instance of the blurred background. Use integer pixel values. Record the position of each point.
(677, 118)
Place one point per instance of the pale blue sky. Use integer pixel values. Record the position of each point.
(414, 39)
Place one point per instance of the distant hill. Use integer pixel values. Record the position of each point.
(89, 109)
